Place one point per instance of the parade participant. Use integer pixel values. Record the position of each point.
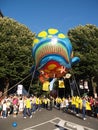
(15, 110)
(33, 104)
(51, 102)
(24, 107)
(63, 104)
(4, 110)
(46, 103)
(66, 104)
(84, 108)
(77, 105)
(73, 105)
(8, 103)
(28, 106)
(91, 100)
(21, 105)
(58, 102)
(88, 108)
(0, 109)
(38, 103)
(96, 106)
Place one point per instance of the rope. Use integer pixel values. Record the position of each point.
(76, 84)
(17, 84)
(32, 79)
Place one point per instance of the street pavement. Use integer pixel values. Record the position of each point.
(49, 120)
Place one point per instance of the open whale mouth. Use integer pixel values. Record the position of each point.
(55, 58)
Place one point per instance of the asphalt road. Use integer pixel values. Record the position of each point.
(49, 120)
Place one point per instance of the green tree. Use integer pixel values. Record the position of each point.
(15, 51)
(85, 43)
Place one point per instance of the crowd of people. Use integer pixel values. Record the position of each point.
(79, 105)
(28, 105)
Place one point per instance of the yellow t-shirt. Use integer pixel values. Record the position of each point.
(73, 101)
(88, 107)
(28, 104)
(37, 101)
(77, 102)
(46, 86)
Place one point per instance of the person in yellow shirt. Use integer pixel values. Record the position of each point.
(33, 104)
(80, 103)
(39, 105)
(28, 107)
(28, 104)
(73, 105)
(46, 103)
(51, 102)
(77, 105)
(88, 108)
(58, 102)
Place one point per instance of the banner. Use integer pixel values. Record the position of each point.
(19, 89)
(61, 84)
(81, 84)
(46, 86)
(86, 84)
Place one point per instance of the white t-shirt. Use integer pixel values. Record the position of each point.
(21, 105)
(4, 107)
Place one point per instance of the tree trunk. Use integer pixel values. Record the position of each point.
(6, 87)
(94, 86)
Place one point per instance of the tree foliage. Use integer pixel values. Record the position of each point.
(15, 50)
(85, 43)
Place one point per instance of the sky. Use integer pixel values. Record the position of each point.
(39, 15)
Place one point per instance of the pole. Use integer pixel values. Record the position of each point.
(76, 86)
(71, 89)
(75, 83)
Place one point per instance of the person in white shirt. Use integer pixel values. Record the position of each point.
(4, 109)
(21, 105)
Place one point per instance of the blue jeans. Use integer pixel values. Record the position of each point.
(4, 113)
(39, 106)
(74, 108)
(83, 112)
(25, 112)
(33, 107)
(28, 111)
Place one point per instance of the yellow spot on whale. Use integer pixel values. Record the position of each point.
(52, 66)
(42, 34)
(52, 31)
(61, 35)
(36, 41)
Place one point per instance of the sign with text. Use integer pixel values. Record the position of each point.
(19, 89)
